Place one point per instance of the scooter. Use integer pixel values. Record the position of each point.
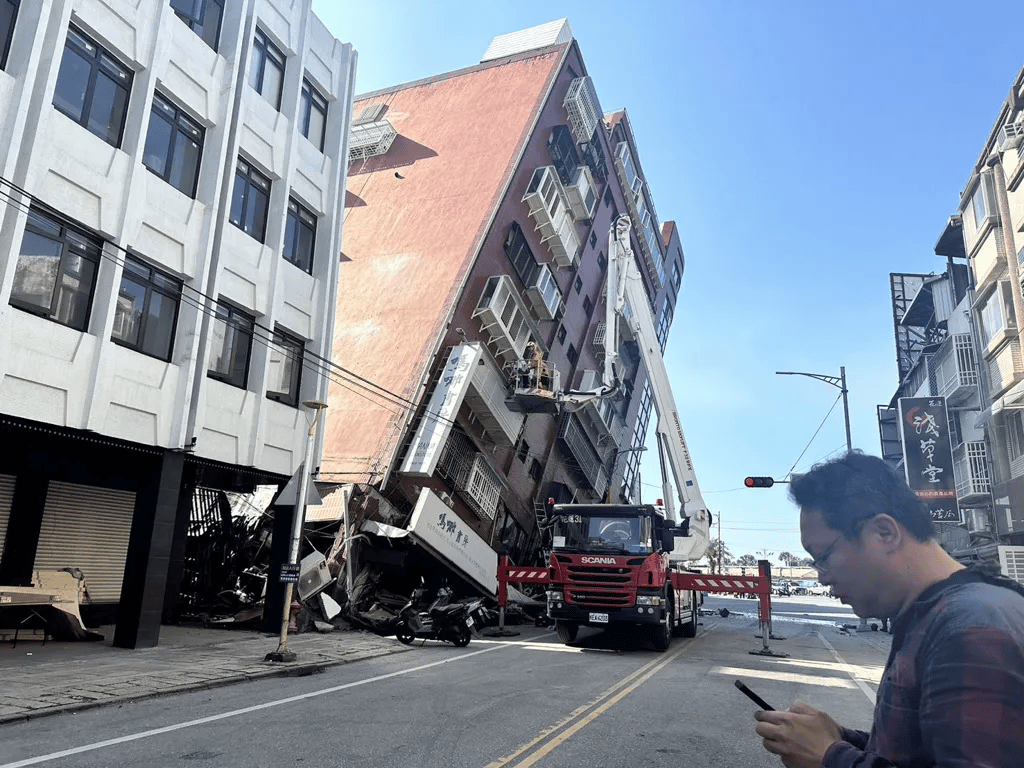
(443, 620)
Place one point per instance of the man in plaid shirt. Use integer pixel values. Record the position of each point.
(953, 689)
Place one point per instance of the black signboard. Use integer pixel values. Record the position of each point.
(289, 573)
(928, 457)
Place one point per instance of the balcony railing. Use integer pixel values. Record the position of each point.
(956, 372)
(971, 470)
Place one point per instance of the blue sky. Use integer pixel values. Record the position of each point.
(805, 150)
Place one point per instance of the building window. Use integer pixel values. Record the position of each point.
(8, 15)
(285, 372)
(266, 69)
(572, 355)
(56, 272)
(147, 310)
(312, 114)
(250, 200)
(995, 311)
(536, 470)
(1015, 435)
(983, 200)
(92, 88)
(664, 322)
(519, 253)
(677, 276)
(562, 147)
(174, 146)
(602, 262)
(231, 345)
(202, 16)
(561, 334)
(608, 195)
(577, 284)
(593, 238)
(588, 305)
(300, 236)
(524, 451)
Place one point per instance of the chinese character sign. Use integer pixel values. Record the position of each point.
(928, 457)
(436, 424)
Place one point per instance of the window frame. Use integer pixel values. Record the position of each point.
(181, 124)
(268, 52)
(101, 61)
(247, 173)
(7, 36)
(1015, 435)
(150, 283)
(311, 99)
(199, 17)
(234, 317)
(290, 345)
(296, 216)
(520, 255)
(75, 242)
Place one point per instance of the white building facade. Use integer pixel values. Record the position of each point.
(172, 183)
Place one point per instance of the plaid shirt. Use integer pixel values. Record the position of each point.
(953, 689)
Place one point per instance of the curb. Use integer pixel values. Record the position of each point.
(294, 670)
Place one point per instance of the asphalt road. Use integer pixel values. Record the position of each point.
(519, 701)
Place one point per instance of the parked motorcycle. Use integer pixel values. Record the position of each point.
(451, 622)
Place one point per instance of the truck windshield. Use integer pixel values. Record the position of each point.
(622, 535)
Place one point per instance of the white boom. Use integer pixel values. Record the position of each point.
(626, 304)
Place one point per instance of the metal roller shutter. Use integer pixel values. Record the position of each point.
(87, 527)
(6, 498)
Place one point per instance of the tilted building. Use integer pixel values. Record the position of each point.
(478, 215)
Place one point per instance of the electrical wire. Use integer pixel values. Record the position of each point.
(814, 435)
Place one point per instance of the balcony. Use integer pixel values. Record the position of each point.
(486, 398)
(503, 316)
(370, 139)
(971, 470)
(956, 369)
(550, 211)
(573, 440)
(468, 473)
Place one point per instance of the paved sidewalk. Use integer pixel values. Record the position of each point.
(38, 679)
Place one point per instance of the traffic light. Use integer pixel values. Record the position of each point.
(759, 482)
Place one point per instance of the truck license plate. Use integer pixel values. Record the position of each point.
(469, 621)
(599, 618)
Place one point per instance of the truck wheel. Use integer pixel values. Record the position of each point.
(566, 630)
(689, 628)
(663, 631)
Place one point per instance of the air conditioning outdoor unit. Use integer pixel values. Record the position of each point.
(544, 294)
(370, 139)
(313, 575)
(581, 193)
(1011, 562)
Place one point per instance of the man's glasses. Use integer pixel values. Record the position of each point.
(821, 563)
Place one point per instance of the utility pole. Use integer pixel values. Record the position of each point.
(282, 653)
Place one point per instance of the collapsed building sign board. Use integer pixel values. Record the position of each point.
(436, 526)
(427, 443)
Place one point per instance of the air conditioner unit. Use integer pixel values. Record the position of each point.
(1011, 562)
(1011, 136)
(590, 381)
(544, 197)
(503, 316)
(313, 575)
(582, 193)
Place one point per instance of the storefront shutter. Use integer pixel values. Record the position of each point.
(87, 527)
(6, 497)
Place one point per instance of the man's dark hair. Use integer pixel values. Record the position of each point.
(852, 489)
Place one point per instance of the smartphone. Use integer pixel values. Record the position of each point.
(754, 697)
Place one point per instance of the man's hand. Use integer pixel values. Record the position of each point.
(800, 737)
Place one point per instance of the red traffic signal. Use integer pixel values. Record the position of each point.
(758, 482)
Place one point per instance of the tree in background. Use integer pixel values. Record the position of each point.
(747, 560)
(787, 558)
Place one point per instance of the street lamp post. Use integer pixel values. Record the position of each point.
(839, 383)
(282, 653)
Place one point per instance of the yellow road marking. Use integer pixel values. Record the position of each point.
(556, 735)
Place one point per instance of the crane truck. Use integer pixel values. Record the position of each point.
(622, 564)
